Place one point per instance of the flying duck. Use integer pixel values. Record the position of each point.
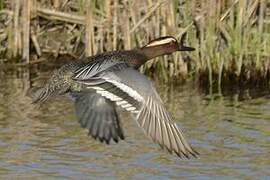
(100, 83)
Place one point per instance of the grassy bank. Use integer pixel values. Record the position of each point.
(232, 37)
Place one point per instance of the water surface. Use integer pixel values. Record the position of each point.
(231, 132)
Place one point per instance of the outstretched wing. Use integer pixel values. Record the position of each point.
(98, 115)
(98, 65)
(135, 93)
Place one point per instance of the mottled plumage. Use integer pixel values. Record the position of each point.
(100, 83)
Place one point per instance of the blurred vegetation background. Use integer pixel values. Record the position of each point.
(231, 37)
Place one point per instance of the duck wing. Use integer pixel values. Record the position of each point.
(60, 81)
(98, 115)
(98, 65)
(135, 93)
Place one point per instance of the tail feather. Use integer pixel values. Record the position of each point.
(38, 94)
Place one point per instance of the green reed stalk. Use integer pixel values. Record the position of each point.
(231, 37)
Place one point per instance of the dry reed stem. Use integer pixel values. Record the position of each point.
(61, 16)
(16, 30)
(261, 15)
(35, 43)
(88, 29)
(224, 36)
(26, 29)
(115, 4)
(228, 10)
(146, 16)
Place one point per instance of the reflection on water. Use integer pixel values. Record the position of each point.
(231, 132)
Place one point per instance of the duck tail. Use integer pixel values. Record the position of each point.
(38, 94)
(41, 94)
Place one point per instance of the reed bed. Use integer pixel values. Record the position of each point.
(231, 37)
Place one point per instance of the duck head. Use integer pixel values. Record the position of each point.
(158, 47)
(164, 45)
(169, 43)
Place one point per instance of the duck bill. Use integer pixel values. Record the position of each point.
(182, 47)
(186, 48)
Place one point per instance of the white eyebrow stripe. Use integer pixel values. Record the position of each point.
(159, 42)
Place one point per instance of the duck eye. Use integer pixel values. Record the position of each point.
(172, 42)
